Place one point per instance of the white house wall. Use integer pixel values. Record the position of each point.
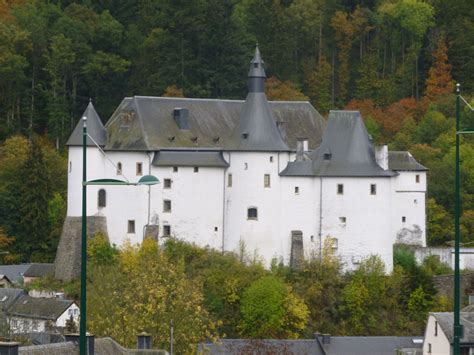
(439, 343)
(63, 318)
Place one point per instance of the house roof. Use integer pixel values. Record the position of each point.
(345, 150)
(95, 129)
(39, 270)
(189, 158)
(14, 272)
(42, 308)
(8, 296)
(373, 345)
(403, 161)
(147, 123)
(446, 322)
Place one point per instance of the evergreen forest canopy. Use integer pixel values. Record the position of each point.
(394, 60)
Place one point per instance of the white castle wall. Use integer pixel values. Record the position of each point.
(206, 211)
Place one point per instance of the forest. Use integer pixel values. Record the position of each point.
(394, 60)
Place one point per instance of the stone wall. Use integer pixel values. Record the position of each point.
(444, 284)
(67, 265)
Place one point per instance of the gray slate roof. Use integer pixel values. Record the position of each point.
(146, 123)
(42, 308)
(446, 322)
(189, 158)
(14, 272)
(403, 161)
(348, 146)
(8, 296)
(39, 270)
(339, 345)
(95, 129)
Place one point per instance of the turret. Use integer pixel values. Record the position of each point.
(257, 129)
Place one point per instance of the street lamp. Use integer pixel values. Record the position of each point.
(146, 180)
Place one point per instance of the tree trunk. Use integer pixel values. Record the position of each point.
(320, 42)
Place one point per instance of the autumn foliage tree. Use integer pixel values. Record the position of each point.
(283, 91)
(439, 81)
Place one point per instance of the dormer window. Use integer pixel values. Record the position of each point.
(327, 155)
(255, 65)
(245, 135)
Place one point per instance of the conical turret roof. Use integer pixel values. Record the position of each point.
(257, 129)
(95, 129)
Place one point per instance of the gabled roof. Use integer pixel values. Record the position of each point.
(39, 270)
(403, 161)
(371, 345)
(445, 321)
(147, 123)
(95, 129)
(8, 296)
(41, 308)
(14, 272)
(189, 158)
(345, 150)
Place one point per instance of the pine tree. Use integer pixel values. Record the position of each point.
(34, 196)
(319, 86)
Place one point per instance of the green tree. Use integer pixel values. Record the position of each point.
(269, 309)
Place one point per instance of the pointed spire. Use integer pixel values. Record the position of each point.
(256, 82)
(257, 129)
(95, 128)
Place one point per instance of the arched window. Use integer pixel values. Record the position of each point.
(102, 198)
(252, 213)
(119, 168)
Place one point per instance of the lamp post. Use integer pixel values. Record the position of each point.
(146, 180)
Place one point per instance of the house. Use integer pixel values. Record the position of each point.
(439, 333)
(5, 282)
(320, 345)
(29, 314)
(14, 272)
(272, 176)
(36, 271)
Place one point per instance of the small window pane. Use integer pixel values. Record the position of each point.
(266, 180)
(404, 219)
(175, 169)
(166, 206)
(297, 190)
(119, 168)
(271, 159)
(139, 169)
(340, 189)
(167, 184)
(166, 231)
(229, 180)
(373, 189)
(342, 220)
(252, 213)
(196, 169)
(131, 227)
(417, 178)
(102, 198)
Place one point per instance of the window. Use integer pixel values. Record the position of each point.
(139, 169)
(119, 168)
(70, 166)
(271, 159)
(196, 169)
(131, 227)
(312, 238)
(404, 219)
(101, 198)
(229, 180)
(216, 229)
(373, 189)
(266, 180)
(297, 190)
(246, 166)
(334, 243)
(436, 328)
(167, 184)
(417, 178)
(166, 231)
(175, 169)
(340, 189)
(342, 220)
(252, 213)
(76, 312)
(69, 312)
(429, 348)
(166, 205)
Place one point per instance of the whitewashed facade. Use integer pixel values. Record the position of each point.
(251, 188)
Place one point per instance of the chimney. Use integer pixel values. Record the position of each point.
(180, 116)
(9, 348)
(143, 341)
(75, 337)
(326, 339)
(381, 156)
(301, 148)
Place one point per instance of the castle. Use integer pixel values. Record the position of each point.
(272, 176)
